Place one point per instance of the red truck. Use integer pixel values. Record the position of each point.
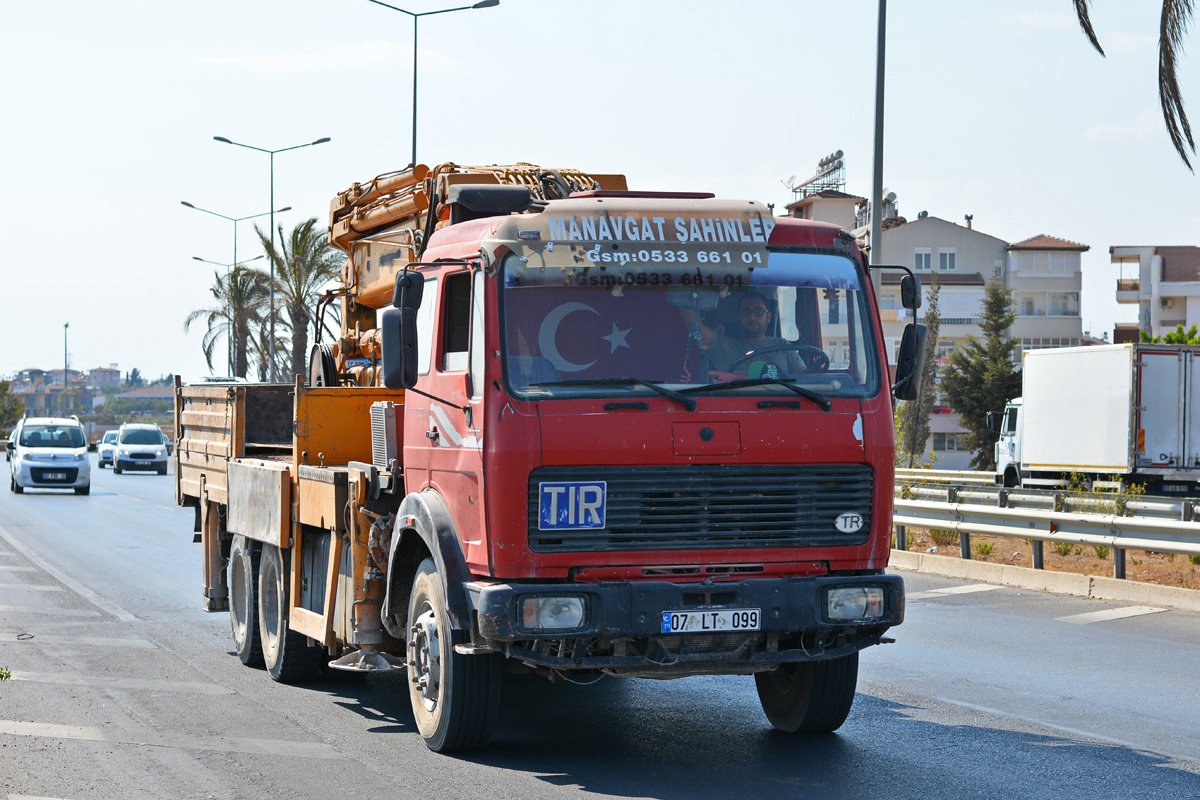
(567, 428)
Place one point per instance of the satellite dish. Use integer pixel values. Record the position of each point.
(790, 182)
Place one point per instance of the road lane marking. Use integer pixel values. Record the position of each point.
(63, 578)
(30, 797)
(17, 569)
(31, 587)
(1109, 614)
(121, 683)
(221, 744)
(91, 641)
(57, 612)
(970, 588)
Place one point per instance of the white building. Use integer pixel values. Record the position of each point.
(1165, 285)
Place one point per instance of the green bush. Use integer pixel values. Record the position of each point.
(983, 549)
(1062, 548)
(943, 538)
(1101, 551)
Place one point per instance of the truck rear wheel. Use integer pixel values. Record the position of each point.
(809, 697)
(244, 555)
(286, 654)
(455, 698)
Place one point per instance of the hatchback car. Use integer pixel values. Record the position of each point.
(50, 453)
(104, 450)
(139, 446)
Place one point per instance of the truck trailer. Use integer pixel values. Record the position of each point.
(1104, 416)
(567, 429)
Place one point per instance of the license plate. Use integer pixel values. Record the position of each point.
(708, 621)
(142, 463)
(54, 476)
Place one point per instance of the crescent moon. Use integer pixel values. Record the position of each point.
(548, 333)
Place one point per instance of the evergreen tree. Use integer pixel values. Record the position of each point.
(981, 377)
(913, 417)
(11, 406)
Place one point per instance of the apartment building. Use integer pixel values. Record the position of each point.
(1164, 283)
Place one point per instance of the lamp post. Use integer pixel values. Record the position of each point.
(232, 322)
(272, 153)
(63, 395)
(415, 18)
(235, 221)
(877, 173)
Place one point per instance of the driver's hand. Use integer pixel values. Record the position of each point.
(717, 376)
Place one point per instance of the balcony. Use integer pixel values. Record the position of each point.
(1128, 290)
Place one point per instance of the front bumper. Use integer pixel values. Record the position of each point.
(794, 623)
(33, 475)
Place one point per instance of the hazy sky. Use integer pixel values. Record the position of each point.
(1000, 110)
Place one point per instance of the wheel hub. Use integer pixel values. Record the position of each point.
(424, 657)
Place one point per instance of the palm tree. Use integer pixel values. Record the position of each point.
(241, 296)
(304, 263)
(1176, 14)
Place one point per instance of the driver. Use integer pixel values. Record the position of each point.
(755, 318)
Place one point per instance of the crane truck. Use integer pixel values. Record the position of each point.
(570, 429)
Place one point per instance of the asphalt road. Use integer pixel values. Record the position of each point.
(123, 687)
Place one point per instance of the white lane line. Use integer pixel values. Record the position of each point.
(970, 588)
(31, 587)
(62, 577)
(30, 797)
(1109, 614)
(54, 612)
(90, 641)
(120, 683)
(221, 744)
(7, 553)
(17, 569)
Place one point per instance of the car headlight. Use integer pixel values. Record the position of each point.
(552, 613)
(855, 603)
(81, 456)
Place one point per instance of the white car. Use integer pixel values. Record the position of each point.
(104, 450)
(50, 453)
(139, 446)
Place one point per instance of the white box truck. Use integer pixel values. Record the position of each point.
(1113, 414)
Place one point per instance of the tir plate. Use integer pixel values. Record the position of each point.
(54, 476)
(702, 620)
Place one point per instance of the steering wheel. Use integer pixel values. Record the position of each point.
(820, 361)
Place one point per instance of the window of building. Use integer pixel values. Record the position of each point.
(949, 442)
(923, 258)
(947, 258)
(888, 302)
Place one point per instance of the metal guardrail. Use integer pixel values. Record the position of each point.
(1162, 525)
(945, 476)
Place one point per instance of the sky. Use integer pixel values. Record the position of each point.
(1000, 110)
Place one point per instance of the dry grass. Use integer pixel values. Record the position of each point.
(1164, 569)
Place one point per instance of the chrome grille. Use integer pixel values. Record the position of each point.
(711, 506)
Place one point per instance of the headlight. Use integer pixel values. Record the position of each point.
(855, 603)
(552, 613)
(81, 456)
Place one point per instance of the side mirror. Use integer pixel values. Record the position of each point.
(993, 421)
(398, 327)
(910, 292)
(910, 363)
(410, 286)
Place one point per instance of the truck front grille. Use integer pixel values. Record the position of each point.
(711, 506)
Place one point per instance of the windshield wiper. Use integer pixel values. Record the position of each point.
(808, 394)
(683, 400)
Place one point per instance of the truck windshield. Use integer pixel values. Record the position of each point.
(754, 319)
(51, 436)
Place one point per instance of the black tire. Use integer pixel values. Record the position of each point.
(116, 469)
(809, 697)
(162, 470)
(83, 489)
(244, 555)
(100, 464)
(286, 654)
(455, 698)
(16, 487)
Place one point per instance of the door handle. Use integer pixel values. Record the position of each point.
(432, 435)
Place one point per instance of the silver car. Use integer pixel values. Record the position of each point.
(50, 453)
(105, 449)
(140, 446)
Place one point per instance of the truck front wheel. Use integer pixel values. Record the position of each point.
(809, 697)
(286, 654)
(455, 698)
(243, 600)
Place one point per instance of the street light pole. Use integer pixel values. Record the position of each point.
(235, 221)
(62, 405)
(233, 332)
(416, 17)
(272, 153)
(877, 182)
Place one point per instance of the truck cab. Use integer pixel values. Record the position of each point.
(1008, 446)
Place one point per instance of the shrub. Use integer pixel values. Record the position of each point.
(1194, 559)
(943, 538)
(983, 549)
(1101, 551)
(1062, 548)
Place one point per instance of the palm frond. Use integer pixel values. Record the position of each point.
(1085, 22)
(1172, 27)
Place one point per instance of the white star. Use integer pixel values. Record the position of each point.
(617, 338)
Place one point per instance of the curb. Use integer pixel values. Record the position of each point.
(1096, 588)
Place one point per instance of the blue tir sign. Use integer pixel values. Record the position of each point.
(566, 506)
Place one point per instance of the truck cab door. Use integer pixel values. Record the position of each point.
(452, 437)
